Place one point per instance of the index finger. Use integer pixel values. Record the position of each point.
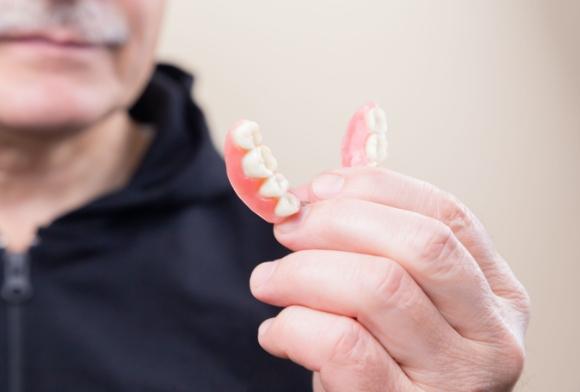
(383, 186)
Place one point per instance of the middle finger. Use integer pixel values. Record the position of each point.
(375, 291)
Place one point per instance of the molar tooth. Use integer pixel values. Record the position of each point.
(259, 163)
(247, 135)
(287, 205)
(275, 186)
(376, 120)
(376, 148)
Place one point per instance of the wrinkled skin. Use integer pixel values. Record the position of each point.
(394, 285)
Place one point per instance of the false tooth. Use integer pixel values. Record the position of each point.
(275, 186)
(247, 135)
(376, 148)
(259, 163)
(376, 120)
(287, 205)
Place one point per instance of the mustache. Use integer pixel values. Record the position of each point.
(98, 22)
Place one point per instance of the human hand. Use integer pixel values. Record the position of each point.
(393, 285)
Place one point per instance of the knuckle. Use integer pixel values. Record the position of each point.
(526, 304)
(506, 354)
(493, 368)
(521, 305)
(515, 292)
(523, 301)
(511, 359)
(359, 354)
(517, 358)
(390, 287)
(436, 244)
(454, 213)
(350, 345)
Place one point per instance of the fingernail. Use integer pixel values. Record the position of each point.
(327, 186)
(262, 273)
(264, 327)
(294, 222)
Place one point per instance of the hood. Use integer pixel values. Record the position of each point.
(181, 166)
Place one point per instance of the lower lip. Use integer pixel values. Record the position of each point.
(43, 47)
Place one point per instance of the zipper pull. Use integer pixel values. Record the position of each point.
(16, 287)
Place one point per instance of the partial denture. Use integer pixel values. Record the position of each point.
(252, 171)
(252, 168)
(365, 142)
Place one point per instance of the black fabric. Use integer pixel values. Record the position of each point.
(146, 288)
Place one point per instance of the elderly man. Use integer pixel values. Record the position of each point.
(126, 254)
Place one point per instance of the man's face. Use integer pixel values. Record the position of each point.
(66, 64)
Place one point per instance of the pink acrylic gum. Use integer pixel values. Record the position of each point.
(252, 169)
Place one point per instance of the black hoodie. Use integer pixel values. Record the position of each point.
(146, 288)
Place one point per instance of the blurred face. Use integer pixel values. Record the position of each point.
(66, 64)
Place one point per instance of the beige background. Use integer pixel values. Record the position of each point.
(483, 98)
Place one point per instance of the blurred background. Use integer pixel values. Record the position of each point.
(483, 98)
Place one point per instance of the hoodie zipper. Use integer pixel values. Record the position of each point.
(16, 289)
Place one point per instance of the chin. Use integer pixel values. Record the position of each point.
(51, 102)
